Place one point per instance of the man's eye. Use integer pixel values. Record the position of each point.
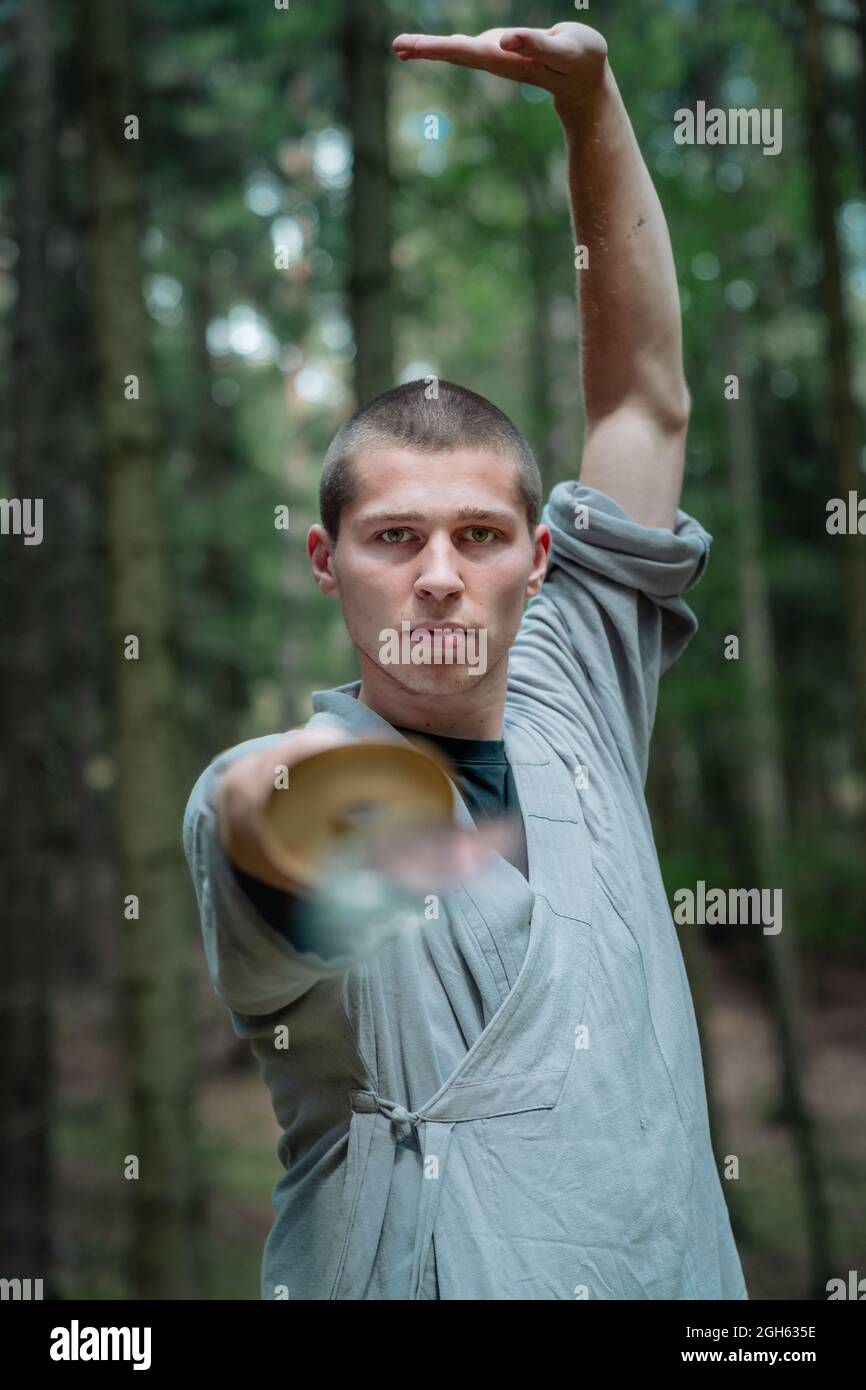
(486, 532)
(391, 532)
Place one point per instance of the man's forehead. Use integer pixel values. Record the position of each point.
(434, 514)
(403, 456)
(464, 483)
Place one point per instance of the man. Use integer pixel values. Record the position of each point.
(508, 1103)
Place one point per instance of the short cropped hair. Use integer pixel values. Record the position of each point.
(454, 418)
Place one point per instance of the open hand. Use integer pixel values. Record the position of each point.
(568, 60)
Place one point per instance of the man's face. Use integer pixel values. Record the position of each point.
(432, 540)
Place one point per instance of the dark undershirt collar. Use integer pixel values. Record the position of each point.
(464, 750)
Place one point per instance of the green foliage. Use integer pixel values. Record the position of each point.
(239, 100)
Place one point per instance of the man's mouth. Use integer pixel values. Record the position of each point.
(444, 629)
(436, 642)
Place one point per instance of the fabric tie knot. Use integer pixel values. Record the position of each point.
(400, 1116)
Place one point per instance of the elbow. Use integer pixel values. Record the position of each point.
(666, 404)
(678, 410)
(666, 411)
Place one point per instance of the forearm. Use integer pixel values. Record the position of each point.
(631, 329)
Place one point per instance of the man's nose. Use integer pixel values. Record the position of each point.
(439, 575)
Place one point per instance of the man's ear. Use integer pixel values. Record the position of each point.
(320, 548)
(539, 561)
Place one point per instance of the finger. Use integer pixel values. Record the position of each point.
(537, 45)
(452, 48)
(464, 50)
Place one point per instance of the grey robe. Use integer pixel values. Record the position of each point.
(509, 1102)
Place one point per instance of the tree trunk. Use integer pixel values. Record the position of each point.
(767, 799)
(371, 278)
(156, 998)
(26, 933)
(845, 423)
(540, 342)
(222, 587)
(677, 800)
(861, 32)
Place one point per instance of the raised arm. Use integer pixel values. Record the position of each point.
(635, 393)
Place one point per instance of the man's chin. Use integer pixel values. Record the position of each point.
(435, 680)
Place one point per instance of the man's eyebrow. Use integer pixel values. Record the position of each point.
(462, 514)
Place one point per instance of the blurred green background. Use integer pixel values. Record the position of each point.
(280, 242)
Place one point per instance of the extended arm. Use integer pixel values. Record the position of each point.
(635, 394)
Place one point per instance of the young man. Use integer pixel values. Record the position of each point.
(508, 1103)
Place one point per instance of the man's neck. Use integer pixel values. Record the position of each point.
(474, 714)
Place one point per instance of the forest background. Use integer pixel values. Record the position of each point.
(281, 238)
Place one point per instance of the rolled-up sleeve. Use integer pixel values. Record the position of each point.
(610, 618)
